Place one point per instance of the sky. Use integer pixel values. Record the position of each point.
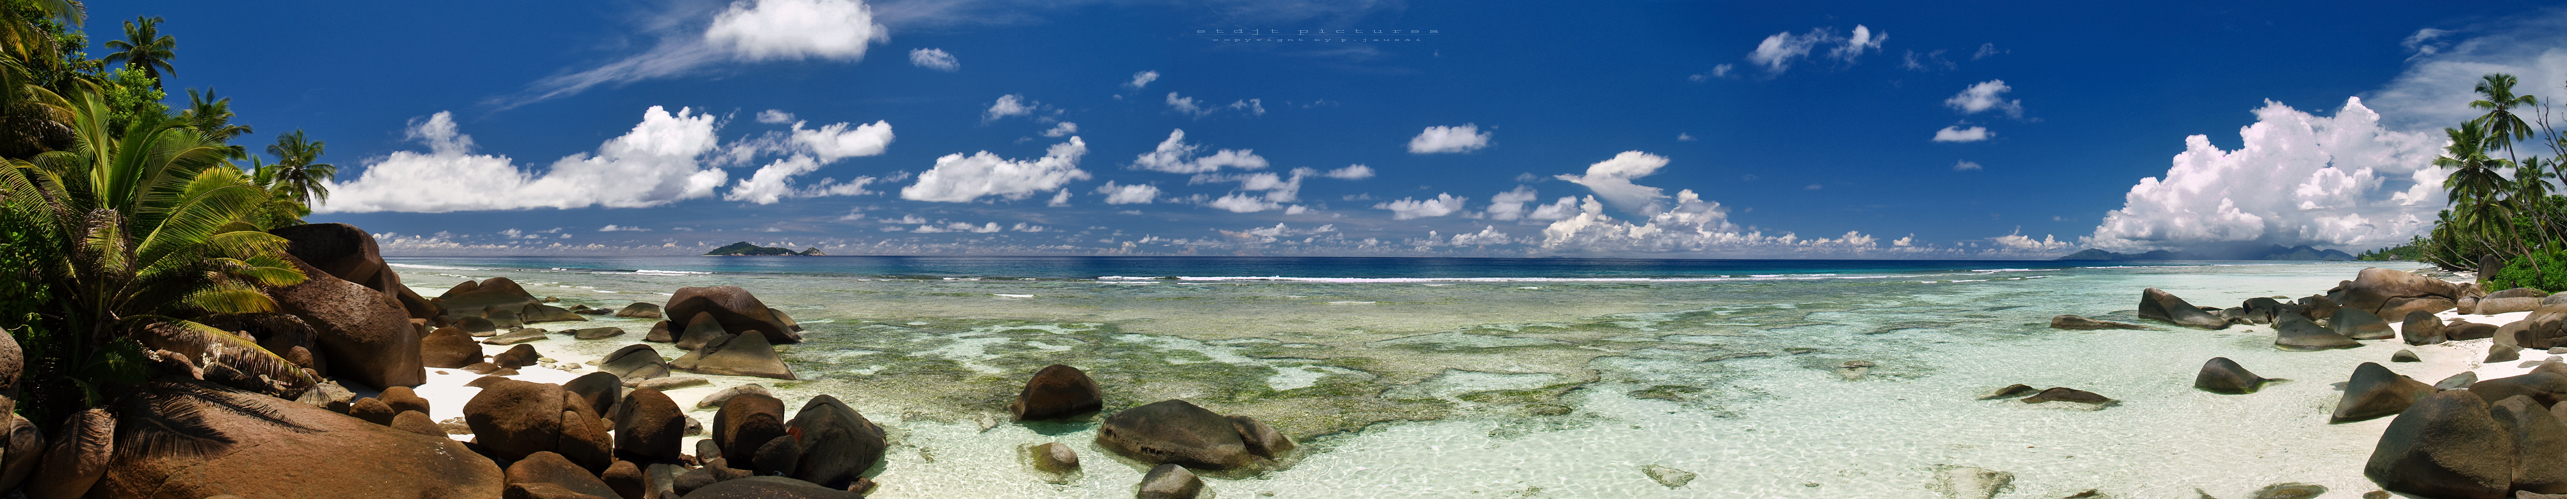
(1426, 128)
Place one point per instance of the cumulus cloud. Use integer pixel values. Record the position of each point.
(658, 162)
(1444, 139)
(813, 148)
(1407, 208)
(1694, 225)
(1059, 199)
(1611, 179)
(1276, 190)
(2443, 69)
(958, 178)
(935, 59)
(1509, 205)
(1008, 105)
(1955, 133)
(745, 31)
(1142, 79)
(1351, 172)
(2331, 181)
(1984, 96)
(1778, 52)
(775, 117)
(2019, 243)
(1176, 156)
(1129, 194)
(1486, 236)
(1063, 129)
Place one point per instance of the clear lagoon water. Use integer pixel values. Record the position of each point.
(1407, 377)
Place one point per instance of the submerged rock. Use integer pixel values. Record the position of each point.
(2374, 391)
(2010, 391)
(1670, 477)
(1054, 457)
(2159, 305)
(2076, 323)
(2300, 335)
(2445, 446)
(2289, 491)
(2221, 375)
(2065, 394)
(1169, 481)
(1176, 432)
(1971, 483)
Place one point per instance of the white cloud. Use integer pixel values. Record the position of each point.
(1200, 109)
(796, 29)
(1509, 205)
(1176, 156)
(1685, 137)
(1778, 52)
(1443, 139)
(960, 227)
(935, 59)
(1955, 133)
(2019, 243)
(2339, 181)
(1965, 166)
(1241, 202)
(1440, 205)
(814, 148)
(658, 162)
(1486, 236)
(836, 141)
(1063, 129)
(958, 178)
(1565, 207)
(1611, 179)
(1932, 61)
(1277, 190)
(2442, 73)
(1142, 79)
(1059, 199)
(1987, 49)
(775, 117)
(1694, 225)
(1008, 105)
(748, 30)
(1718, 71)
(620, 228)
(1129, 194)
(1351, 172)
(1984, 96)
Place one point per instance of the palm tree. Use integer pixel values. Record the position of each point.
(2497, 92)
(145, 48)
(27, 51)
(297, 172)
(146, 229)
(212, 117)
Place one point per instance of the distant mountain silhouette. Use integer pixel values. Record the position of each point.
(743, 248)
(2276, 252)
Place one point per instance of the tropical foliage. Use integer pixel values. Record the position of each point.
(2506, 217)
(123, 225)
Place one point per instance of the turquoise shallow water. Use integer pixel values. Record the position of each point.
(1542, 378)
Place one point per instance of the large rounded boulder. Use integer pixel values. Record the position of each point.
(2394, 293)
(1176, 432)
(2446, 445)
(2421, 328)
(251, 445)
(738, 311)
(366, 334)
(2374, 391)
(1056, 392)
(2158, 305)
(349, 253)
(2540, 444)
(2221, 375)
(2295, 333)
(479, 299)
(838, 444)
(649, 428)
(448, 348)
(2357, 324)
(513, 419)
(2546, 327)
(745, 423)
(746, 354)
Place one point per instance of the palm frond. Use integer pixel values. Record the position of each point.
(231, 298)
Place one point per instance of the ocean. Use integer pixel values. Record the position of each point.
(1456, 377)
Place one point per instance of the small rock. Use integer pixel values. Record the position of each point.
(2065, 394)
(2422, 328)
(2010, 391)
(597, 333)
(640, 310)
(2374, 391)
(1169, 481)
(1670, 477)
(2405, 355)
(2289, 491)
(525, 335)
(2076, 323)
(717, 398)
(666, 384)
(1054, 457)
(1972, 483)
(2221, 375)
(516, 357)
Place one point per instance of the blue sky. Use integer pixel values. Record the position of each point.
(1675, 129)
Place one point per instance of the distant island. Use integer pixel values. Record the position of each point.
(2276, 252)
(743, 248)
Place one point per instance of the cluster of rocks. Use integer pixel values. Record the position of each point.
(2490, 439)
